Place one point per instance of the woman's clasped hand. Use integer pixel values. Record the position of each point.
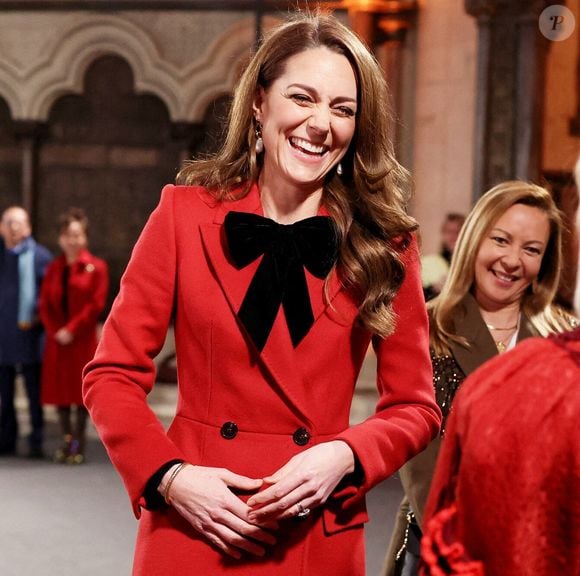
(209, 498)
(206, 497)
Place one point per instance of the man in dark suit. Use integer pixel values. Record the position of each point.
(22, 266)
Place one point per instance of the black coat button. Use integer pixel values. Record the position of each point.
(301, 437)
(229, 430)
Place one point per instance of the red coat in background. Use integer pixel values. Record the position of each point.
(505, 499)
(88, 283)
(245, 410)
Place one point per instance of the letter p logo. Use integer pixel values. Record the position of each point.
(557, 23)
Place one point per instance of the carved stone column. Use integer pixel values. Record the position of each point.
(383, 25)
(363, 22)
(391, 51)
(29, 134)
(510, 88)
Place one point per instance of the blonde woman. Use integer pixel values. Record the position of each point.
(507, 503)
(500, 290)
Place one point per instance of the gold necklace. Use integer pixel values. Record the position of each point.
(501, 345)
(492, 327)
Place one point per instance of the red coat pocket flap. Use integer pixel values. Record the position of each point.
(337, 518)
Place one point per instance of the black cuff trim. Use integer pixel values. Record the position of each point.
(154, 500)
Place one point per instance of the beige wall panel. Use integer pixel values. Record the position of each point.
(560, 148)
(445, 115)
(181, 37)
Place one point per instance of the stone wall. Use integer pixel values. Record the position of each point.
(444, 115)
(111, 104)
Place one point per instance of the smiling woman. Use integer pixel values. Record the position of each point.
(72, 297)
(507, 262)
(500, 290)
(307, 118)
(504, 498)
(282, 257)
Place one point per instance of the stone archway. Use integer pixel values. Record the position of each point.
(31, 88)
(108, 151)
(40, 83)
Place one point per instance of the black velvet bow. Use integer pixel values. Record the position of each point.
(288, 249)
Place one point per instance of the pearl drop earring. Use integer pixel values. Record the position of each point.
(259, 141)
(339, 169)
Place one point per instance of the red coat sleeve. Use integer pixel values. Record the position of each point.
(407, 417)
(122, 373)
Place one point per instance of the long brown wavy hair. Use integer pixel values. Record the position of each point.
(368, 202)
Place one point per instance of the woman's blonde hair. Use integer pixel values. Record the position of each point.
(367, 202)
(537, 299)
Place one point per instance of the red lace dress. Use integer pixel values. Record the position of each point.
(505, 499)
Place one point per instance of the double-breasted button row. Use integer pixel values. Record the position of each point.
(229, 431)
(301, 437)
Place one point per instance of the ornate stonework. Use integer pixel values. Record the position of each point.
(32, 79)
(511, 64)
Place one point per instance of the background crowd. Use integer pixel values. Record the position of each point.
(49, 310)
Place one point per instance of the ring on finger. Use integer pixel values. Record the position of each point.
(302, 512)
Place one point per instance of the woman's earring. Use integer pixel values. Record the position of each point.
(259, 141)
(339, 169)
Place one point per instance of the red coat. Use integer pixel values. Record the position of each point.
(505, 499)
(180, 265)
(88, 283)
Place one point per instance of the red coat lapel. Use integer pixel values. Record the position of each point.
(278, 355)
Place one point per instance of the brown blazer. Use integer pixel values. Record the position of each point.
(417, 473)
